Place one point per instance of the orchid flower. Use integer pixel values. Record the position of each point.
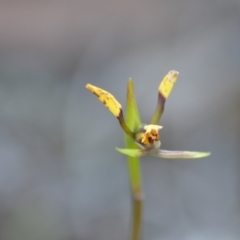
(147, 137)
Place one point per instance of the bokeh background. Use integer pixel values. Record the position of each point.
(60, 177)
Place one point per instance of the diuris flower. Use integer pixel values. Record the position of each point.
(147, 137)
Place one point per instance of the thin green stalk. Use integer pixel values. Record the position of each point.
(136, 190)
(133, 122)
(136, 219)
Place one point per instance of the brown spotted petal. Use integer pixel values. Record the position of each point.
(112, 105)
(164, 90)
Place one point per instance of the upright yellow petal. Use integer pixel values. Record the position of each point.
(164, 91)
(112, 105)
(107, 99)
(167, 83)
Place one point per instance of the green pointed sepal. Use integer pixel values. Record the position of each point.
(133, 152)
(163, 153)
(133, 121)
(179, 154)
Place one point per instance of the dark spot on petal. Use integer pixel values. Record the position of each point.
(95, 94)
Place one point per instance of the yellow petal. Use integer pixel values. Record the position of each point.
(167, 83)
(112, 105)
(164, 91)
(107, 99)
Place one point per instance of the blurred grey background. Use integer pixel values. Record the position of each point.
(60, 177)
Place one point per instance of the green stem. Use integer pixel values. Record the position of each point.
(133, 122)
(135, 182)
(136, 220)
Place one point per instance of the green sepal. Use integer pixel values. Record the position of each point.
(133, 152)
(179, 154)
(134, 122)
(132, 115)
(163, 153)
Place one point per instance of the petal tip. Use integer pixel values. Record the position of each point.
(88, 85)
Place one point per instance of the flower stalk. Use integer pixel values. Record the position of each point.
(134, 122)
(141, 139)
